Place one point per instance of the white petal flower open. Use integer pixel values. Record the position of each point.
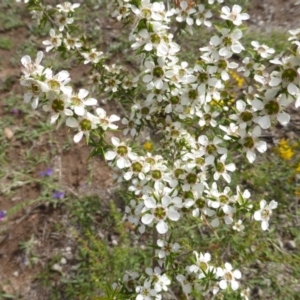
(159, 211)
(122, 154)
(228, 276)
(32, 68)
(235, 15)
(264, 213)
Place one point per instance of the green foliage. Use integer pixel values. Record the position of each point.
(5, 43)
(98, 261)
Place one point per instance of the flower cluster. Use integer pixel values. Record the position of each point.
(285, 149)
(59, 99)
(154, 281)
(199, 118)
(203, 270)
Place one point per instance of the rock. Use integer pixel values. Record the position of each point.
(63, 261)
(57, 268)
(291, 245)
(16, 273)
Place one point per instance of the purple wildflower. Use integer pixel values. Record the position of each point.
(15, 111)
(58, 195)
(2, 215)
(24, 260)
(47, 172)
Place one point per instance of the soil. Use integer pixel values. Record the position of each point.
(274, 14)
(71, 168)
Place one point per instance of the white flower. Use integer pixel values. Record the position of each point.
(221, 169)
(129, 279)
(78, 102)
(205, 81)
(138, 169)
(228, 42)
(158, 41)
(145, 292)
(106, 122)
(191, 182)
(159, 212)
(122, 11)
(58, 82)
(63, 20)
(211, 148)
(66, 7)
(160, 281)
(93, 56)
(132, 211)
(155, 74)
(221, 67)
(288, 76)
(166, 248)
(228, 276)
(203, 15)
(263, 50)
(121, 153)
(188, 281)
(37, 15)
(250, 142)
(220, 201)
(54, 42)
(112, 84)
(270, 108)
(129, 83)
(164, 281)
(249, 65)
(59, 106)
(213, 1)
(216, 221)
(264, 213)
(201, 263)
(295, 34)
(200, 207)
(32, 68)
(246, 292)
(182, 74)
(235, 15)
(230, 132)
(72, 43)
(242, 198)
(195, 158)
(84, 124)
(211, 51)
(148, 10)
(131, 123)
(238, 226)
(35, 89)
(138, 186)
(184, 12)
(244, 116)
